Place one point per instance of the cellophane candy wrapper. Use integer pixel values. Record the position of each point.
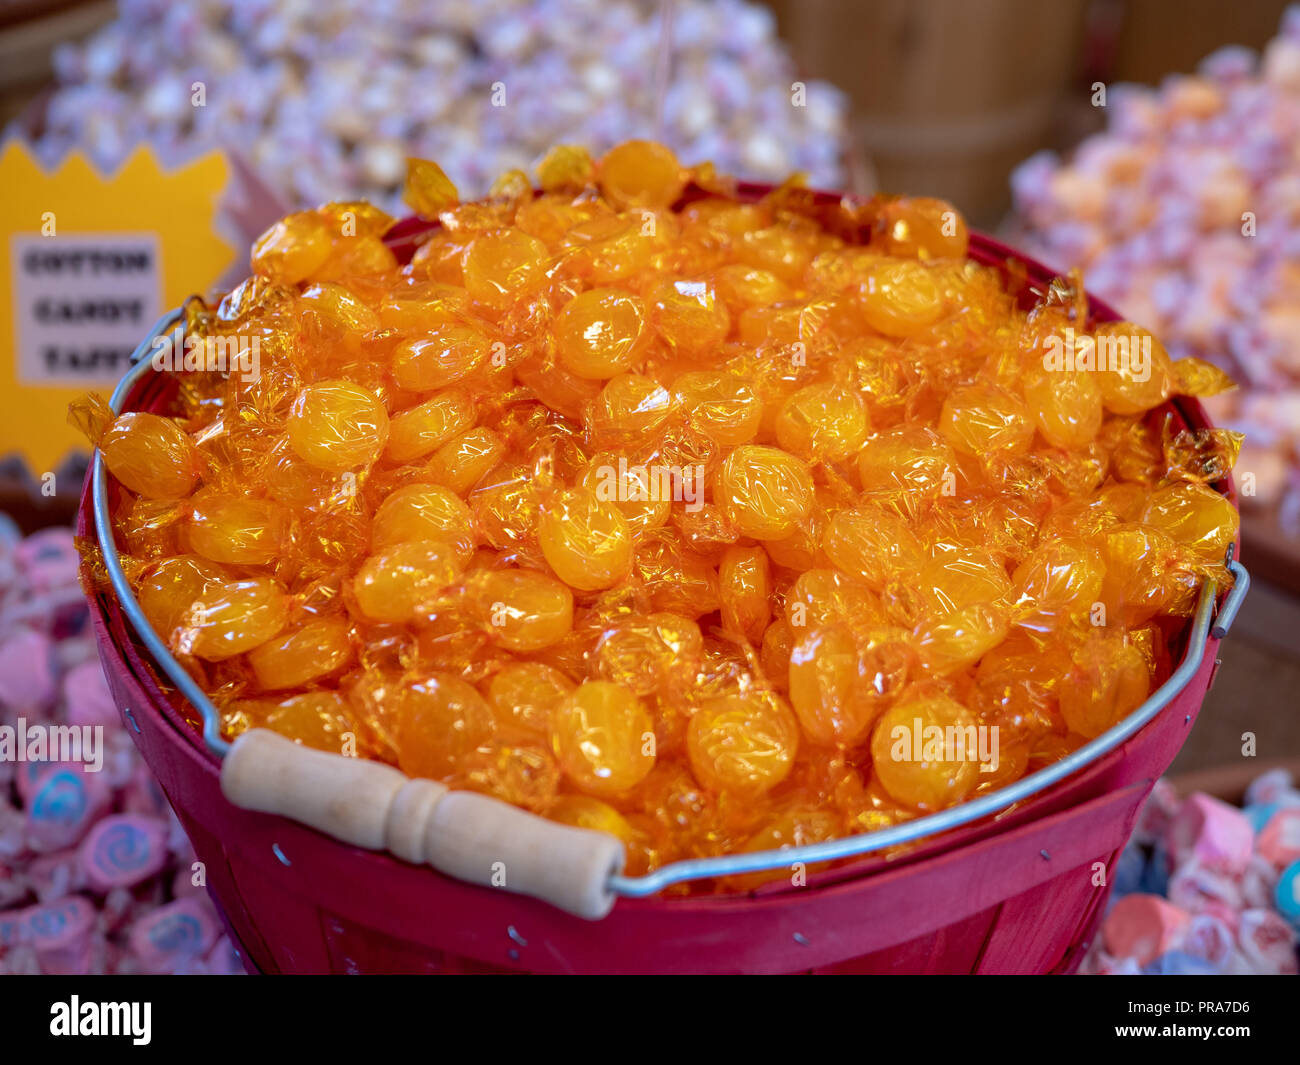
(713, 525)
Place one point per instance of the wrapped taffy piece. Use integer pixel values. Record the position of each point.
(714, 525)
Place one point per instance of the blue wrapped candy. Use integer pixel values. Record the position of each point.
(1286, 896)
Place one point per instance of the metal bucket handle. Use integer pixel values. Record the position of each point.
(483, 840)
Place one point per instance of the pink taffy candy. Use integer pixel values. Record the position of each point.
(122, 850)
(1193, 887)
(1267, 942)
(1279, 840)
(61, 935)
(59, 923)
(174, 934)
(1142, 927)
(1208, 937)
(27, 670)
(1282, 64)
(1211, 832)
(1157, 813)
(74, 651)
(87, 699)
(66, 802)
(1269, 787)
(72, 960)
(49, 559)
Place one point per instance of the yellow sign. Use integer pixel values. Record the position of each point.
(89, 263)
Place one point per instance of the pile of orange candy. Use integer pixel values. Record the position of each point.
(666, 514)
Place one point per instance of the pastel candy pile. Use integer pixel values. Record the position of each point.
(95, 874)
(1212, 832)
(1205, 887)
(1183, 213)
(27, 669)
(329, 97)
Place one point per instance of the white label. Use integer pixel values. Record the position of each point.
(82, 304)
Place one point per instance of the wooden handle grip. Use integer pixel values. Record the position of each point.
(347, 798)
(486, 841)
(469, 836)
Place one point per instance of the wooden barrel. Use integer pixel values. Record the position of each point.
(948, 95)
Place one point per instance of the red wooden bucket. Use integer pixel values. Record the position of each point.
(1018, 892)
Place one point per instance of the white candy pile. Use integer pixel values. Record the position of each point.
(1185, 214)
(327, 98)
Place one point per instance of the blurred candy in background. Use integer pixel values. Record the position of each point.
(327, 98)
(1185, 214)
(96, 874)
(1207, 887)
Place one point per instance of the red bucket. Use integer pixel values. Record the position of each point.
(1018, 892)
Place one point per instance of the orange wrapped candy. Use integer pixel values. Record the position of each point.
(655, 512)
